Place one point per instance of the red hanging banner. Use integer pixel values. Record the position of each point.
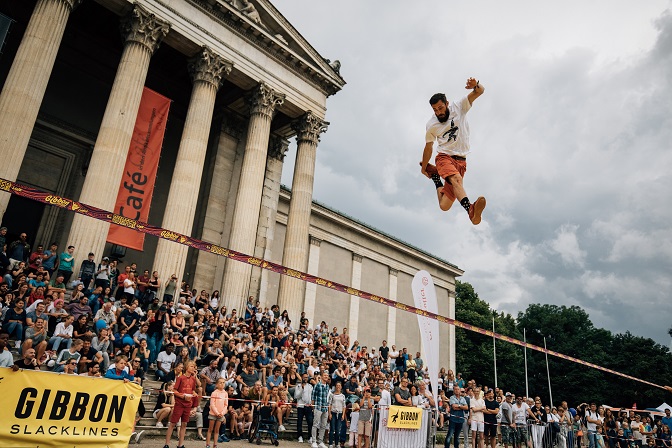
(142, 163)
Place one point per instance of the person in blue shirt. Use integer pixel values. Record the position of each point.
(458, 408)
(667, 420)
(275, 379)
(119, 371)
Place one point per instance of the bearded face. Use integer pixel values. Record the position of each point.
(441, 111)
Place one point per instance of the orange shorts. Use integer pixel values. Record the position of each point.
(447, 166)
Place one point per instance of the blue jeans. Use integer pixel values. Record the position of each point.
(15, 327)
(591, 439)
(336, 428)
(454, 430)
(55, 342)
(154, 345)
(94, 303)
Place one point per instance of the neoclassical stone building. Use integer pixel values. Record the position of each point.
(244, 84)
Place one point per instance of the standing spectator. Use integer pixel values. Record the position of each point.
(320, 403)
(66, 263)
(337, 407)
(458, 407)
(507, 425)
(490, 418)
(219, 404)
(153, 286)
(19, 250)
(141, 288)
(185, 390)
(592, 420)
(36, 258)
(50, 260)
(103, 272)
(171, 286)
(402, 394)
(365, 416)
(303, 393)
(3, 236)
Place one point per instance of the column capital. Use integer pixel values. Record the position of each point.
(315, 241)
(357, 258)
(72, 4)
(263, 100)
(309, 127)
(209, 67)
(393, 272)
(277, 147)
(144, 28)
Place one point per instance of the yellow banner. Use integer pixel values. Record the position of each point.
(57, 410)
(404, 417)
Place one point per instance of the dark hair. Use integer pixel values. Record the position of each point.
(437, 97)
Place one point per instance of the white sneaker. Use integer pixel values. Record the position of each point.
(314, 445)
(17, 344)
(281, 428)
(132, 439)
(159, 425)
(139, 436)
(322, 445)
(300, 439)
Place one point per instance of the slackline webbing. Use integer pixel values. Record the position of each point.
(113, 218)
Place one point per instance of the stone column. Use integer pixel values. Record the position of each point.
(392, 311)
(355, 282)
(207, 71)
(295, 253)
(263, 248)
(210, 267)
(311, 288)
(143, 31)
(26, 83)
(263, 102)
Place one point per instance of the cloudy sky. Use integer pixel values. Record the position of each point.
(571, 143)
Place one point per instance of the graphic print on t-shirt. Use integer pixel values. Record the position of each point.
(452, 132)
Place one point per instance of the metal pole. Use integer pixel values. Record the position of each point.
(548, 373)
(527, 391)
(494, 348)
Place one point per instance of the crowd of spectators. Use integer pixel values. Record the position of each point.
(104, 321)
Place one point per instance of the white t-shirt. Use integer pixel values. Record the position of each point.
(476, 416)
(453, 135)
(165, 360)
(593, 416)
(128, 286)
(520, 413)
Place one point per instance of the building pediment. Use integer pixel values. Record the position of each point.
(265, 27)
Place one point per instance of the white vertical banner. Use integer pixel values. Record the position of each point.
(424, 296)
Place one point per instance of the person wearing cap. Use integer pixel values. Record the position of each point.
(507, 425)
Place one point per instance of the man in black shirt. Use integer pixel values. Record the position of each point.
(27, 362)
(490, 418)
(384, 352)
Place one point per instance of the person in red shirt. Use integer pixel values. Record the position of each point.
(185, 399)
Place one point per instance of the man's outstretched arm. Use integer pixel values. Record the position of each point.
(426, 155)
(477, 89)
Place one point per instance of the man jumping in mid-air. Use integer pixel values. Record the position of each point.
(450, 128)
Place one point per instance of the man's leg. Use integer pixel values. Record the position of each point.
(316, 423)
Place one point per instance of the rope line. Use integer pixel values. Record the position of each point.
(149, 229)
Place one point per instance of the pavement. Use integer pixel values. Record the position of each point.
(158, 443)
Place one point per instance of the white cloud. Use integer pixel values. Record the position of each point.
(571, 143)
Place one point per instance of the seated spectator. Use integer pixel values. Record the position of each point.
(165, 362)
(80, 327)
(209, 376)
(15, 321)
(62, 334)
(103, 343)
(69, 355)
(164, 404)
(88, 354)
(36, 339)
(79, 306)
(28, 361)
(6, 358)
(93, 370)
(274, 380)
(119, 372)
(142, 352)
